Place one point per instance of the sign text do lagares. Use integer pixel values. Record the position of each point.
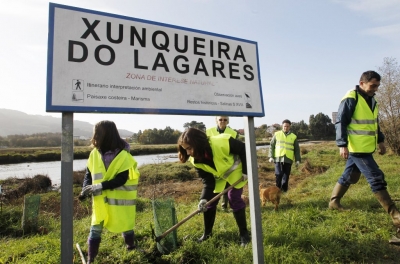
(161, 41)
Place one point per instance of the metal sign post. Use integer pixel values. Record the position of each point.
(67, 198)
(1, 202)
(255, 207)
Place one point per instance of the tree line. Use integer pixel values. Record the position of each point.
(320, 126)
(36, 140)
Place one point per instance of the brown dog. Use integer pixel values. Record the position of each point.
(245, 199)
(272, 194)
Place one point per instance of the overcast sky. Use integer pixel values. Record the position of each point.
(310, 51)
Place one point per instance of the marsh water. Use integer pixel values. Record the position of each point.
(53, 168)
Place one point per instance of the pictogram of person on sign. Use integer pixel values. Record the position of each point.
(78, 85)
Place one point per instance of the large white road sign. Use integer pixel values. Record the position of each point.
(100, 62)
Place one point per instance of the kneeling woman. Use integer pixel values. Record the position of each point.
(219, 160)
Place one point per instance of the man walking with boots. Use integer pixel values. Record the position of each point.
(284, 150)
(357, 135)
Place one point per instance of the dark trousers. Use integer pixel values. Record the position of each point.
(224, 202)
(368, 167)
(235, 200)
(282, 173)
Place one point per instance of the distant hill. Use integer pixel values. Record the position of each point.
(13, 122)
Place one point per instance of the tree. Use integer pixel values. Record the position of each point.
(273, 128)
(157, 136)
(135, 136)
(170, 136)
(3, 142)
(195, 124)
(388, 98)
(261, 132)
(35, 140)
(321, 126)
(300, 129)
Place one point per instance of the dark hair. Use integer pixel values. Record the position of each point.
(195, 138)
(106, 137)
(286, 121)
(369, 75)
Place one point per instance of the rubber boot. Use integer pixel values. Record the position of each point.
(389, 206)
(337, 193)
(278, 181)
(129, 240)
(395, 239)
(209, 219)
(93, 249)
(240, 217)
(224, 203)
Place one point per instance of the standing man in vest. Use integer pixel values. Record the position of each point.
(222, 127)
(357, 135)
(111, 179)
(284, 150)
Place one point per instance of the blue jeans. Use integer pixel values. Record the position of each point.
(95, 231)
(282, 174)
(366, 164)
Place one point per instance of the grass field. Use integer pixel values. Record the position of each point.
(302, 231)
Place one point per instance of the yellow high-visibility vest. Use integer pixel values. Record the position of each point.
(116, 207)
(284, 145)
(214, 132)
(362, 132)
(228, 167)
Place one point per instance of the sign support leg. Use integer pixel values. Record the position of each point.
(255, 208)
(67, 199)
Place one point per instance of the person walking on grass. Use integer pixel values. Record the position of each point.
(283, 151)
(111, 179)
(218, 160)
(222, 127)
(357, 136)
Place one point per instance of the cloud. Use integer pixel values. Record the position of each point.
(383, 16)
(389, 32)
(382, 10)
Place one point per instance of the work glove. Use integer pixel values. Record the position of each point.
(297, 164)
(244, 177)
(271, 160)
(202, 205)
(82, 197)
(92, 189)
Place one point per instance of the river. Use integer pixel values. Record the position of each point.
(53, 168)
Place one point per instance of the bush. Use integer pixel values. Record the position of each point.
(21, 187)
(151, 173)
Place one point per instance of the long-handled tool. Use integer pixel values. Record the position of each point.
(80, 253)
(158, 238)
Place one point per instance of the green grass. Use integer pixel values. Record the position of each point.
(302, 231)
